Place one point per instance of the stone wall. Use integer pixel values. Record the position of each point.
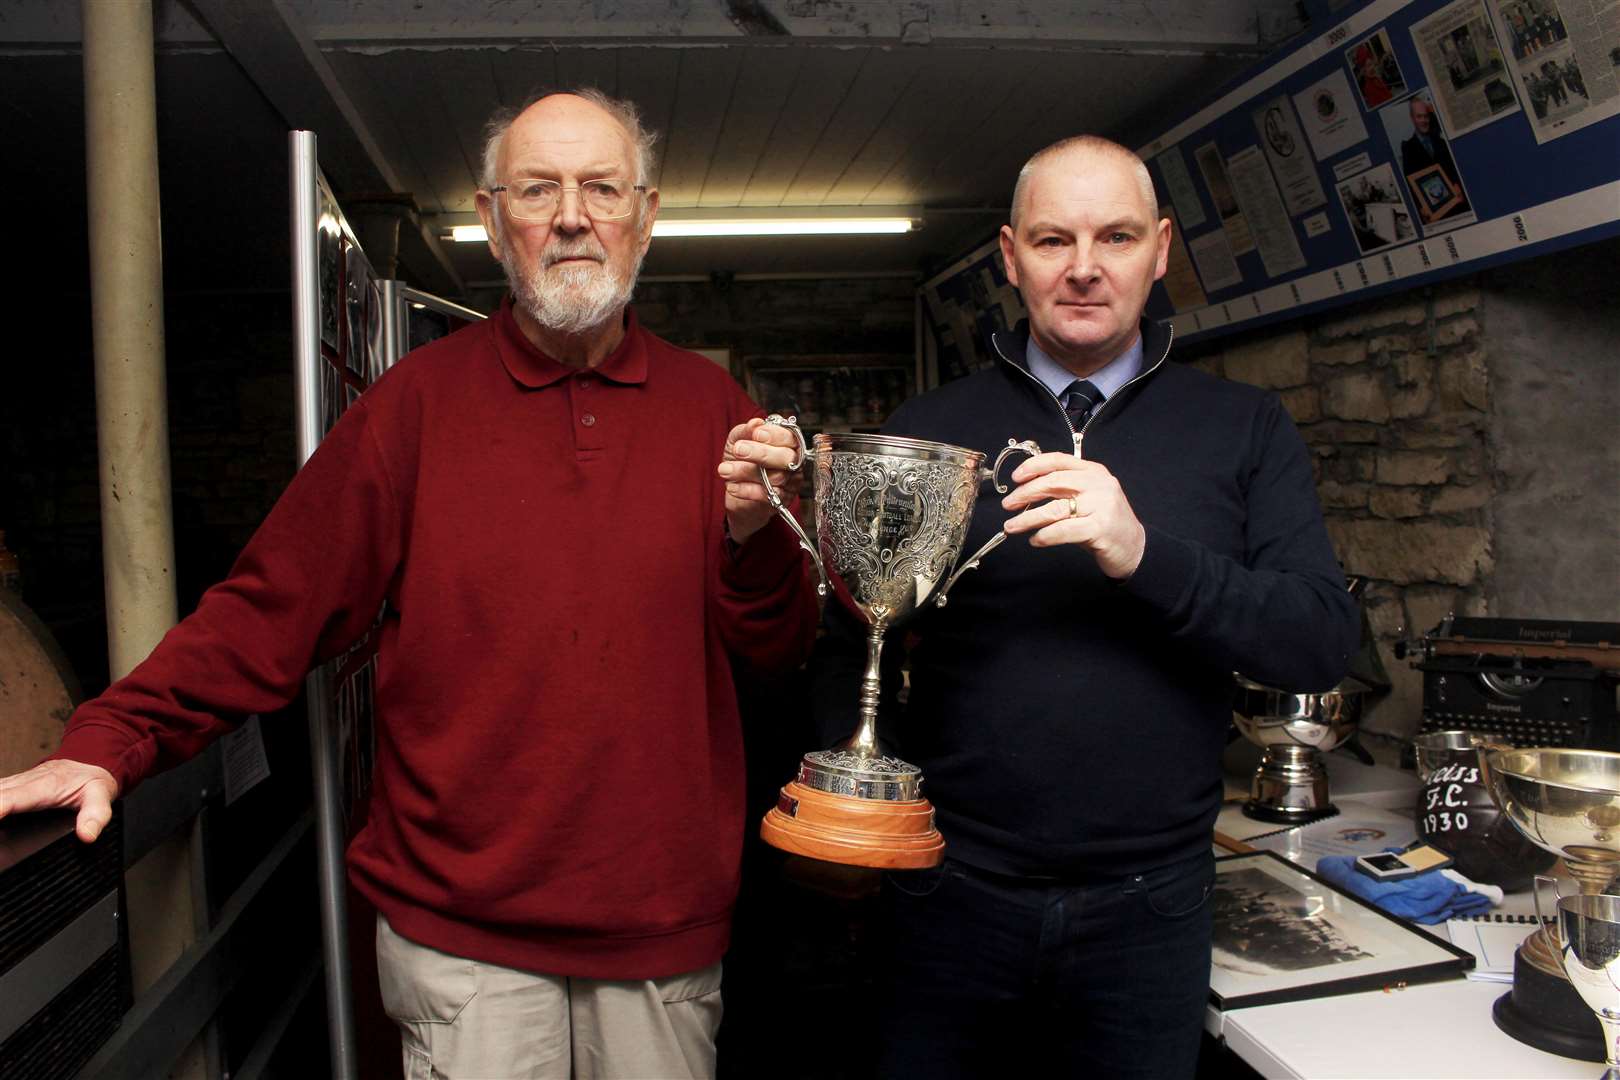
(1393, 398)
(1463, 437)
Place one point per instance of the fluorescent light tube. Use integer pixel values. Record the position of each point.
(474, 234)
(780, 226)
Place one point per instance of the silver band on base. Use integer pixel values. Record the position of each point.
(841, 773)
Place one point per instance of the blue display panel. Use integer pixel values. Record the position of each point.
(1409, 142)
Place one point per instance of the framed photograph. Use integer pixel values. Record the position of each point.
(376, 361)
(854, 392)
(1375, 210)
(329, 259)
(1417, 141)
(333, 397)
(1284, 934)
(356, 283)
(1436, 195)
(1376, 72)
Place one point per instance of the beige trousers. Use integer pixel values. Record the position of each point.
(466, 1020)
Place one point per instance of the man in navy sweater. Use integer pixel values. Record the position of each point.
(1069, 707)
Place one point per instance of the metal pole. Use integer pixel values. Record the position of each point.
(318, 686)
(126, 290)
(132, 430)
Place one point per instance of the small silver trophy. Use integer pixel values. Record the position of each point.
(1567, 802)
(892, 514)
(1589, 927)
(1290, 785)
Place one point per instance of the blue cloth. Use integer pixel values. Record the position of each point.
(1429, 897)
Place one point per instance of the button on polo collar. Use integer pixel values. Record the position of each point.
(530, 367)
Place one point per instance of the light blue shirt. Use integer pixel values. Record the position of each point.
(1113, 375)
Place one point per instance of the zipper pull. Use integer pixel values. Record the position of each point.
(1077, 437)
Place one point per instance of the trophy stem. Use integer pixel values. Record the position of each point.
(864, 742)
(1593, 877)
(1611, 1044)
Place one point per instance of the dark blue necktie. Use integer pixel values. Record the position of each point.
(1079, 400)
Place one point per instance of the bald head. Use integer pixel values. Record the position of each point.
(1422, 114)
(624, 113)
(1075, 152)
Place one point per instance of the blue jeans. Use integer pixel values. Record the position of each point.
(998, 976)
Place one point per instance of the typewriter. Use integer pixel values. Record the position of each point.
(1533, 682)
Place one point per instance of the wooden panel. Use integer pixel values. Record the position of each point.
(371, 88)
(882, 82)
(647, 77)
(521, 73)
(824, 80)
(464, 81)
(925, 108)
(763, 84)
(583, 67)
(703, 92)
(973, 110)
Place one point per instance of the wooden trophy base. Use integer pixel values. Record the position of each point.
(883, 833)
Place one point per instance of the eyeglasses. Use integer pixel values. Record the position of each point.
(538, 200)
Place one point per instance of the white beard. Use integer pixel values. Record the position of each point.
(573, 299)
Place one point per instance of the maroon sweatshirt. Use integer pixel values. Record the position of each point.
(559, 776)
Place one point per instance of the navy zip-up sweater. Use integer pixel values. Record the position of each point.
(1070, 726)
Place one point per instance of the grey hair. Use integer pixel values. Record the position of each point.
(642, 139)
(1095, 144)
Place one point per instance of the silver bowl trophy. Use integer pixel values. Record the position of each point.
(1290, 785)
(1456, 813)
(1567, 802)
(892, 514)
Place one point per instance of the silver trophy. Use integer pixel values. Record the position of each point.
(892, 514)
(1567, 802)
(1589, 927)
(1290, 785)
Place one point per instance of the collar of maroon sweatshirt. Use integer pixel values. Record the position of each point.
(626, 364)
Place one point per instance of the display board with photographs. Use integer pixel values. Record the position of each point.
(1283, 934)
(350, 311)
(348, 314)
(1564, 57)
(1395, 144)
(966, 302)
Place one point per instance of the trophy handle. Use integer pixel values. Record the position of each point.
(992, 474)
(792, 424)
(1535, 895)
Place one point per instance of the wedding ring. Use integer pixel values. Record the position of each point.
(1074, 507)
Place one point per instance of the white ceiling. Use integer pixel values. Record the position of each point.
(762, 103)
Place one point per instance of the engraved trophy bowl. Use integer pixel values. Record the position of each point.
(1290, 785)
(1567, 802)
(892, 514)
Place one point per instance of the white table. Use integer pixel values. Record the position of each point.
(1441, 1029)
(1434, 1030)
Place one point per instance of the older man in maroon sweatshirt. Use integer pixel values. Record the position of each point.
(557, 819)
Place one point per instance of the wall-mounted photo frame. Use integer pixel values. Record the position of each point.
(1284, 934)
(854, 392)
(1434, 192)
